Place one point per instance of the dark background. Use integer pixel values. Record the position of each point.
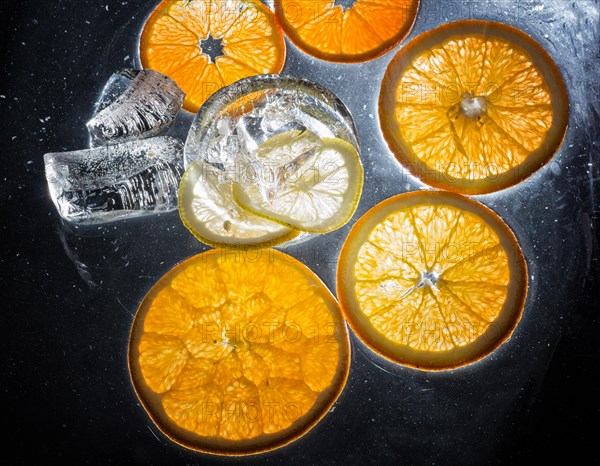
(69, 296)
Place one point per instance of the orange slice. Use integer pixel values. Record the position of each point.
(353, 31)
(237, 353)
(432, 280)
(204, 45)
(473, 106)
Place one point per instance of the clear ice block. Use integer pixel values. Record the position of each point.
(230, 127)
(279, 165)
(240, 148)
(116, 85)
(114, 182)
(134, 104)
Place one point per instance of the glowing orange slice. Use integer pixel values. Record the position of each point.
(473, 106)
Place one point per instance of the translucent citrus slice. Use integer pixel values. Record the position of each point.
(346, 30)
(238, 352)
(432, 280)
(317, 191)
(208, 210)
(204, 45)
(473, 106)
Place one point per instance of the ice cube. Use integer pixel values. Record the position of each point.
(276, 113)
(116, 85)
(133, 106)
(282, 150)
(283, 161)
(114, 182)
(251, 131)
(223, 146)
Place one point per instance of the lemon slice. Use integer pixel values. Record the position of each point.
(317, 191)
(288, 149)
(208, 210)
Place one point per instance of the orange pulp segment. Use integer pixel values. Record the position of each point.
(473, 106)
(363, 31)
(244, 35)
(432, 280)
(238, 352)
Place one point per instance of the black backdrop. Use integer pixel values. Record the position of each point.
(64, 392)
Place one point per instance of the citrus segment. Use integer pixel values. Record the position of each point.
(170, 313)
(202, 287)
(241, 411)
(227, 377)
(162, 358)
(225, 13)
(168, 30)
(254, 366)
(272, 287)
(184, 408)
(284, 400)
(190, 14)
(196, 373)
(432, 280)
(170, 57)
(189, 40)
(259, 56)
(357, 35)
(207, 208)
(228, 370)
(318, 191)
(354, 31)
(231, 69)
(473, 106)
(318, 365)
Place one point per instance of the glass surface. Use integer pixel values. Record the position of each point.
(71, 292)
(255, 109)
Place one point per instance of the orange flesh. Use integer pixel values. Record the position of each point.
(473, 106)
(367, 30)
(237, 353)
(172, 39)
(432, 280)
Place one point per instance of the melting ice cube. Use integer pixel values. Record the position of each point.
(116, 85)
(223, 146)
(249, 132)
(134, 104)
(252, 131)
(276, 113)
(282, 163)
(113, 182)
(231, 142)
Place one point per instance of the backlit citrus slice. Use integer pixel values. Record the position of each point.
(318, 191)
(346, 30)
(238, 352)
(473, 106)
(432, 280)
(204, 45)
(208, 210)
